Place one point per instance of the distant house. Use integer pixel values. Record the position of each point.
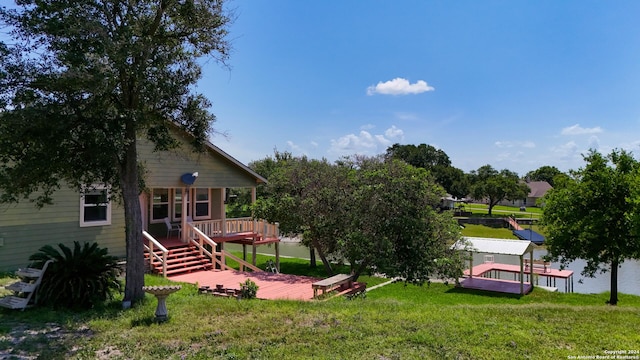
(89, 216)
(537, 191)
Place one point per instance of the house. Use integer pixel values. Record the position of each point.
(537, 190)
(180, 185)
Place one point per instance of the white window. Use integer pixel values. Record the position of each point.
(203, 204)
(159, 204)
(95, 206)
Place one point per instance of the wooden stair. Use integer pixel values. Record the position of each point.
(181, 259)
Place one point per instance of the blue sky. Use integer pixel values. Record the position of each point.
(513, 84)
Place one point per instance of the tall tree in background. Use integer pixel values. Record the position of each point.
(376, 214)
(83, 79)
(544, 173)
(496, 186)
(437, 162)
(593, 215)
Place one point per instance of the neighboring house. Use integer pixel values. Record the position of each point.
(90, 217)
(537, 191)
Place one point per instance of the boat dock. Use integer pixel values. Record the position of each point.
(491, 270)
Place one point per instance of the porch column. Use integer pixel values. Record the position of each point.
(223, 211)
(253, 200)
(470, 265)
(183, 218)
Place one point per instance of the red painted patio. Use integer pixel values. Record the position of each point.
(271, 286)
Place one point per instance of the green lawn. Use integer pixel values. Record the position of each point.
(502, 211)
(396, 321)
(487, 232)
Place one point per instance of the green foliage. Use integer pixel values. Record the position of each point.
(593, 215)
(248, 289)
(83, 80)
(545, 173)
(80, 278)
(496, 186)
(437, 162)
(378, 215)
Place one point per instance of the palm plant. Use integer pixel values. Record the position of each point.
(77, 279)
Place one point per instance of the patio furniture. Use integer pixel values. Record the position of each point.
(172, 227)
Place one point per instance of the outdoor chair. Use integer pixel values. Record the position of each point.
(172, 227)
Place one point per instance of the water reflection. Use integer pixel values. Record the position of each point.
(628, 275)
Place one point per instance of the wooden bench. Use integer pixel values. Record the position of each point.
(331, 283)
(539, 265)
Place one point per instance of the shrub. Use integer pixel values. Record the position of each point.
(76, 279)
(248, 289)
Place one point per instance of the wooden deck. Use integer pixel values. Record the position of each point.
(493, 271)
(271, 286)
(497, 285)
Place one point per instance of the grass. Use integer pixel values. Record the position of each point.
(392, 322)
(502, 211)
(487, 232)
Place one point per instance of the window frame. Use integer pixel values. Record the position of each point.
(88, 190)
(169, 203)
(196, 202)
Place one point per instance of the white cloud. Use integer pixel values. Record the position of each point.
(566, 151)
(394, 133)
(293, 146)
(399, 86)
(406, 116)
(579, 130)
(314, 144)
(510, 144)
(367, 127)
(365, 143)
(594, 142)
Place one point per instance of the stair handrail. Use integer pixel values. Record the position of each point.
(153, 242)
(203, 238)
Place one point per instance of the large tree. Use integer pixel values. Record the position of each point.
(495, 186)
(592, 215)
(83, 79)
(437, 162)
(376, 214)
(544, 173)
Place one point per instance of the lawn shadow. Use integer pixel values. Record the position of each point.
(486, 293)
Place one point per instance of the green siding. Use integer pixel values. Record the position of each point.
(25, 228)
(164, 168)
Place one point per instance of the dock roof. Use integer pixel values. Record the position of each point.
(494, 246)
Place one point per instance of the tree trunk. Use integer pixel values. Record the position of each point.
(325, 262)
(613, 299)
(312, 257)
(134, 279)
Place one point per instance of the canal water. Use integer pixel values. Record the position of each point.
(628, 274)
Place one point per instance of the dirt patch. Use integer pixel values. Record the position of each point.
(25, 342)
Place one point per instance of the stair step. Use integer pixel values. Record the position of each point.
(188, 269)
(182, 260)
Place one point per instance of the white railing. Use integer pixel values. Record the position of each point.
(221, 228)
(150, 248)
(199, 239)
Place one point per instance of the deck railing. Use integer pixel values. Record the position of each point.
(153, 243)
(221, 228)
(199, 239)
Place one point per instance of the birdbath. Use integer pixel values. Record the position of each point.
(161, 293)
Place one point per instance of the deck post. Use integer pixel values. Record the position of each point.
(531, 267)
(522, 275)
(278, 256)
(244, 252)
(470, 265)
